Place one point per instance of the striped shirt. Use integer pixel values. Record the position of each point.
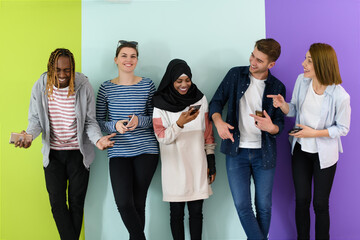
(63, 126)
(117, 102)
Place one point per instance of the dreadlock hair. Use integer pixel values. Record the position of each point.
(51, 73)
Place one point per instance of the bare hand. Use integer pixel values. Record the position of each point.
(105, 142)
(265, 123)
(24, 142)
(120, 127)
(133, 123)
(278, 100)
(306, 132)
(223, 130)
(186, 117)
(211, 177)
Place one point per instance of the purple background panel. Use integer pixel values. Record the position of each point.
(296, 25)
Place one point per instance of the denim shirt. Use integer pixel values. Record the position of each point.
(231, 89)
(334, 116)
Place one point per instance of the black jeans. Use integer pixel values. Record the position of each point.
(306, 166)
(195, 219)
(130, 180)
(64, 166)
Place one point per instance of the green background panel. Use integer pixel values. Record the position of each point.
(29, 32)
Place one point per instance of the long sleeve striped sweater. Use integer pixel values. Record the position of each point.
(117, 102)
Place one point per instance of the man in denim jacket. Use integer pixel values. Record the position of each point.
(249, 139)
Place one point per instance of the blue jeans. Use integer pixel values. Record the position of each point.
(240, 169)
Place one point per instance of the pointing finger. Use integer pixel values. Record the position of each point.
(111, 135)
(271, 96)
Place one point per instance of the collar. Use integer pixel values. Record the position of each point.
(329, 89)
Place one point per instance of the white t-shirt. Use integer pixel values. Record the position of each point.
(250, 135)
(310, 110)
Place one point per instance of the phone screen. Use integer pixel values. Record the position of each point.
(194, 109)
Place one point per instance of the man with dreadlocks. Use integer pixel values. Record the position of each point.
(62, 108)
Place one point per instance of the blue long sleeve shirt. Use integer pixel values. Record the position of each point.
(117, 102)
(230, 91)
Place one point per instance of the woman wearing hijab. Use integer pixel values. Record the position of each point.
(186, 147)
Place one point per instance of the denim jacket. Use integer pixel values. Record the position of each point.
(231, 89)
(334, 116)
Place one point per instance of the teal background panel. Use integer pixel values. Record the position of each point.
(212, 36)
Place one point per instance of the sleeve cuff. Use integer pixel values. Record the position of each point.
(177, 128)
(113, 126)
(210, 148)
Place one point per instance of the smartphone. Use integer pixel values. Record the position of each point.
(14, 137)
(194, 109)
(295, 130)
(132, 117)
(259, 113)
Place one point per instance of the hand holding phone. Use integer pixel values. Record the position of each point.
(130, 119)
(194, 109)
(259, 113)
(188, 116)
(15, 137)
(295, 130)
(21, 139)
(133, 122)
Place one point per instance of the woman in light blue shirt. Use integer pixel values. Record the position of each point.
(322, 110)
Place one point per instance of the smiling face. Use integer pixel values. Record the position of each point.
(63, 72)
(308, 65)
(126, 59)
(259, 64)
(182, 84)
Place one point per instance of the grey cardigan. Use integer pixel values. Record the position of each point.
(88, 131)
